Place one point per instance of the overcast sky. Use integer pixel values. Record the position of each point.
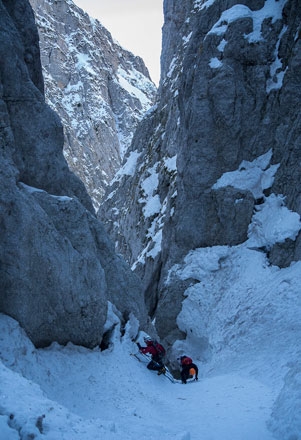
(135, 24)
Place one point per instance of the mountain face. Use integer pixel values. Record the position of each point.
(206, 206)
(99, 90)
(220, 150)
(58, 269)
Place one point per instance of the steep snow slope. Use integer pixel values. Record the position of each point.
(70, 393)
(99, 90)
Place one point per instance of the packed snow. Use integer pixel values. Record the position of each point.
(70, 393)
(241, 316)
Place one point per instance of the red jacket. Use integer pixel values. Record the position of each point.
(149, 349)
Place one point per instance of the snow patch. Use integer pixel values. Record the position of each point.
(255, 176)
(171, 163)
(149, 186)
(129, 168)
(83, 62)
(215, 63)
(154, 236)
(32, 190)
(187, 38)
(172, 67)
(156, 248)
(239, 300)
(203, 4)
(276, 69)
(152, 205)
(271, 9)
(222, 45)
(129, 80)
(273, 223)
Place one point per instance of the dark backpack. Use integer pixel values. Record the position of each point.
(160, 349)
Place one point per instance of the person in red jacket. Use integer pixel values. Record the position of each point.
(156, 351)
(188, 369)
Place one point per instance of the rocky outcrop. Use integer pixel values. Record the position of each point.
(99, 90)
(58, 269)
(229, 102)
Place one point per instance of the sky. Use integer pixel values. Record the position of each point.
(135, 24)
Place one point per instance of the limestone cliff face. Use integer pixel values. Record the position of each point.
(99, 90)
(58, 269)
(229, 99)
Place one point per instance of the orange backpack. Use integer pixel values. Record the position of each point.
(192, 372)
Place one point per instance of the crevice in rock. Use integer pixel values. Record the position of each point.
(107, 339)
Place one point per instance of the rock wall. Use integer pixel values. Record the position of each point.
(229, 98)
(58, 269)
(99, 90)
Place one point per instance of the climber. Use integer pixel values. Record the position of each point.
(157, 352)
(188, 369)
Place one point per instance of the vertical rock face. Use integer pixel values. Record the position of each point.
(99, 90)
(229, 101)
(58, 269)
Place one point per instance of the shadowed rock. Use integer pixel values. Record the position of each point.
(58, 268)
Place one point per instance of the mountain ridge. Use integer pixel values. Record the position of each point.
(99, 90)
